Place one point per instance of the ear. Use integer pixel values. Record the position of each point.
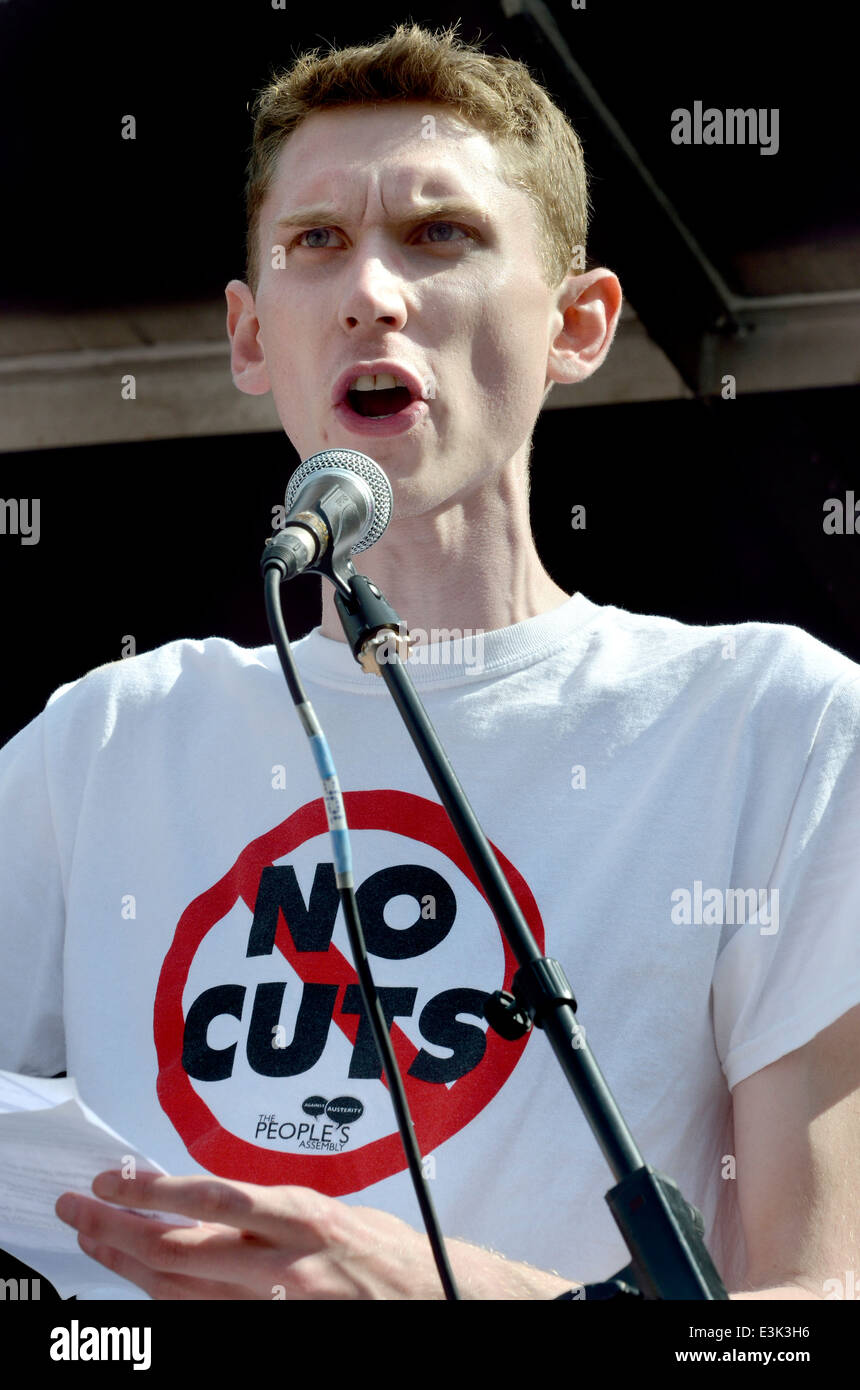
(587, 311)
(247, 358)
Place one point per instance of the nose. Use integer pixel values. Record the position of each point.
(373, 295)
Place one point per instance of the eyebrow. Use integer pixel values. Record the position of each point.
(328, 216)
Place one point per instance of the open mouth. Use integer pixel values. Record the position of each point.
(379, 403)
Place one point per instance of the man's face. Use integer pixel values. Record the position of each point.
(376, 270)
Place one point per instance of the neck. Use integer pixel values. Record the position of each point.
(469, 566)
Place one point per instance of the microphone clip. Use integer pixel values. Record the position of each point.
(372, 627)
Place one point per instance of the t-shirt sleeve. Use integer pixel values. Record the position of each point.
(32, 911)
(777, 983)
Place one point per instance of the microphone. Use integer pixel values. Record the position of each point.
(338, 500)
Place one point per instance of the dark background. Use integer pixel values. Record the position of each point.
(705, 510)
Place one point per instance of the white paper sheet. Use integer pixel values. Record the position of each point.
(51, 1142)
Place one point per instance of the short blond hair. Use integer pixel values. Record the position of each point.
(540, 150)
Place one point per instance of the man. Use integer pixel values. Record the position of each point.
(642, 780)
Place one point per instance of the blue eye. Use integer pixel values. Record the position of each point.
(450, 226)
(447, 228)
(314, 231)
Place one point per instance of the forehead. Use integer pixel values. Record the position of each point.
(402, 148)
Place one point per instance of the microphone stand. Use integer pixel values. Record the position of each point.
(663, 1232)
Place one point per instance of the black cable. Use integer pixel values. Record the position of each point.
(346, 890)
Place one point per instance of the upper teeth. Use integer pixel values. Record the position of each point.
(384, 382)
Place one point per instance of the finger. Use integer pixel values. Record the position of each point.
(188, 1252)
(160, 1285)
(296, 1217)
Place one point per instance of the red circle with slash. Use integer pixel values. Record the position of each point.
(438, 1111)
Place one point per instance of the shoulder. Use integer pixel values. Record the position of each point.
(755, 665)
(185, 667)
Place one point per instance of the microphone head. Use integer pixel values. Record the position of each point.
(359, 466)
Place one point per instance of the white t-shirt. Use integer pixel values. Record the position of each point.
(630, 770)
